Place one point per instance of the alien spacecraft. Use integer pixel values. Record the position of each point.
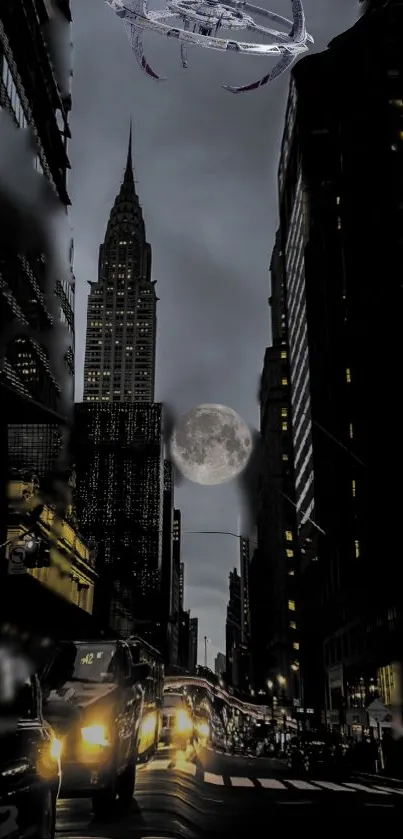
(200, 23)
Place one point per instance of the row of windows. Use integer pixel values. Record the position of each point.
(16, 104)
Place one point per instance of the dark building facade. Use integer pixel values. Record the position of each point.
(194, 643)
(119, 494)
(275, 564)
(167, 571)
(37, 302)
(245, 645)
(341, 188)
(184, 641)
(181, 584)
(177, 604)
(233, 629)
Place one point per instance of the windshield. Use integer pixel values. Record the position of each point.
(172, 700)
(94, 663)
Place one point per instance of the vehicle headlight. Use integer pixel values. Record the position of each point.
(56, 748)
(148, 725)
(95, 735)
(204, 729)
(183, 721)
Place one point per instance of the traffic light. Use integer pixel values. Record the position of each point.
(43, 558)
(37, 555)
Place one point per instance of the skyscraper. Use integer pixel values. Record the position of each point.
(119, 492)
(181, 584)
(233, 628)
(167, 580)
(37, 367)
(121, 317)
(340, 185)
(121, 483)
(177, 604)
(245, 643)
(194, 643)
(275, 564)
(244, 555)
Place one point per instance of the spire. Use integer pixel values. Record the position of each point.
(129, 161)
(126, 209)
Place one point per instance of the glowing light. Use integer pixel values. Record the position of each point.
(183, 722)
(95, 735)
(56, 748)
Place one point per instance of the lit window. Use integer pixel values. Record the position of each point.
(295, 645)
(285, 456)
(351, 431)
(291, 605)
(283, 354)
(284, 426)
(290, 553)
(348, 375)
(353, 487)
(291, 573)
(288, 535)
(284, 412)
(357, 548)
(284, 381)
(338, 199)
(293, 625)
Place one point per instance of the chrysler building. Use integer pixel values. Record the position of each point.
(121, 318)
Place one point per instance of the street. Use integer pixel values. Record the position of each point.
(207, 794)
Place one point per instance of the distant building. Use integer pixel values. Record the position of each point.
(119, 496)
(120, 467)
(220, 664)
(194, 641)
(167, 560)
(233, 629)
(121, 319)
(176, 606)
(184, 641)
(182, 584)
(274, 565)
(245, 645)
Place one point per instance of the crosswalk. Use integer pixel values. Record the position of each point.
(188, 767)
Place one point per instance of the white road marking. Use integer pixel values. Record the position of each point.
(271, 783)
(372, 804)
(304, 785)
(391, 790)
(210, 778)
(333, 787)
(241, 782)
(159, 764)
(185, 766)
(361, 788)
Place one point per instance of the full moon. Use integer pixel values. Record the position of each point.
(211, 444)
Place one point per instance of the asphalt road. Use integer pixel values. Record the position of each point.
(213, 795)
